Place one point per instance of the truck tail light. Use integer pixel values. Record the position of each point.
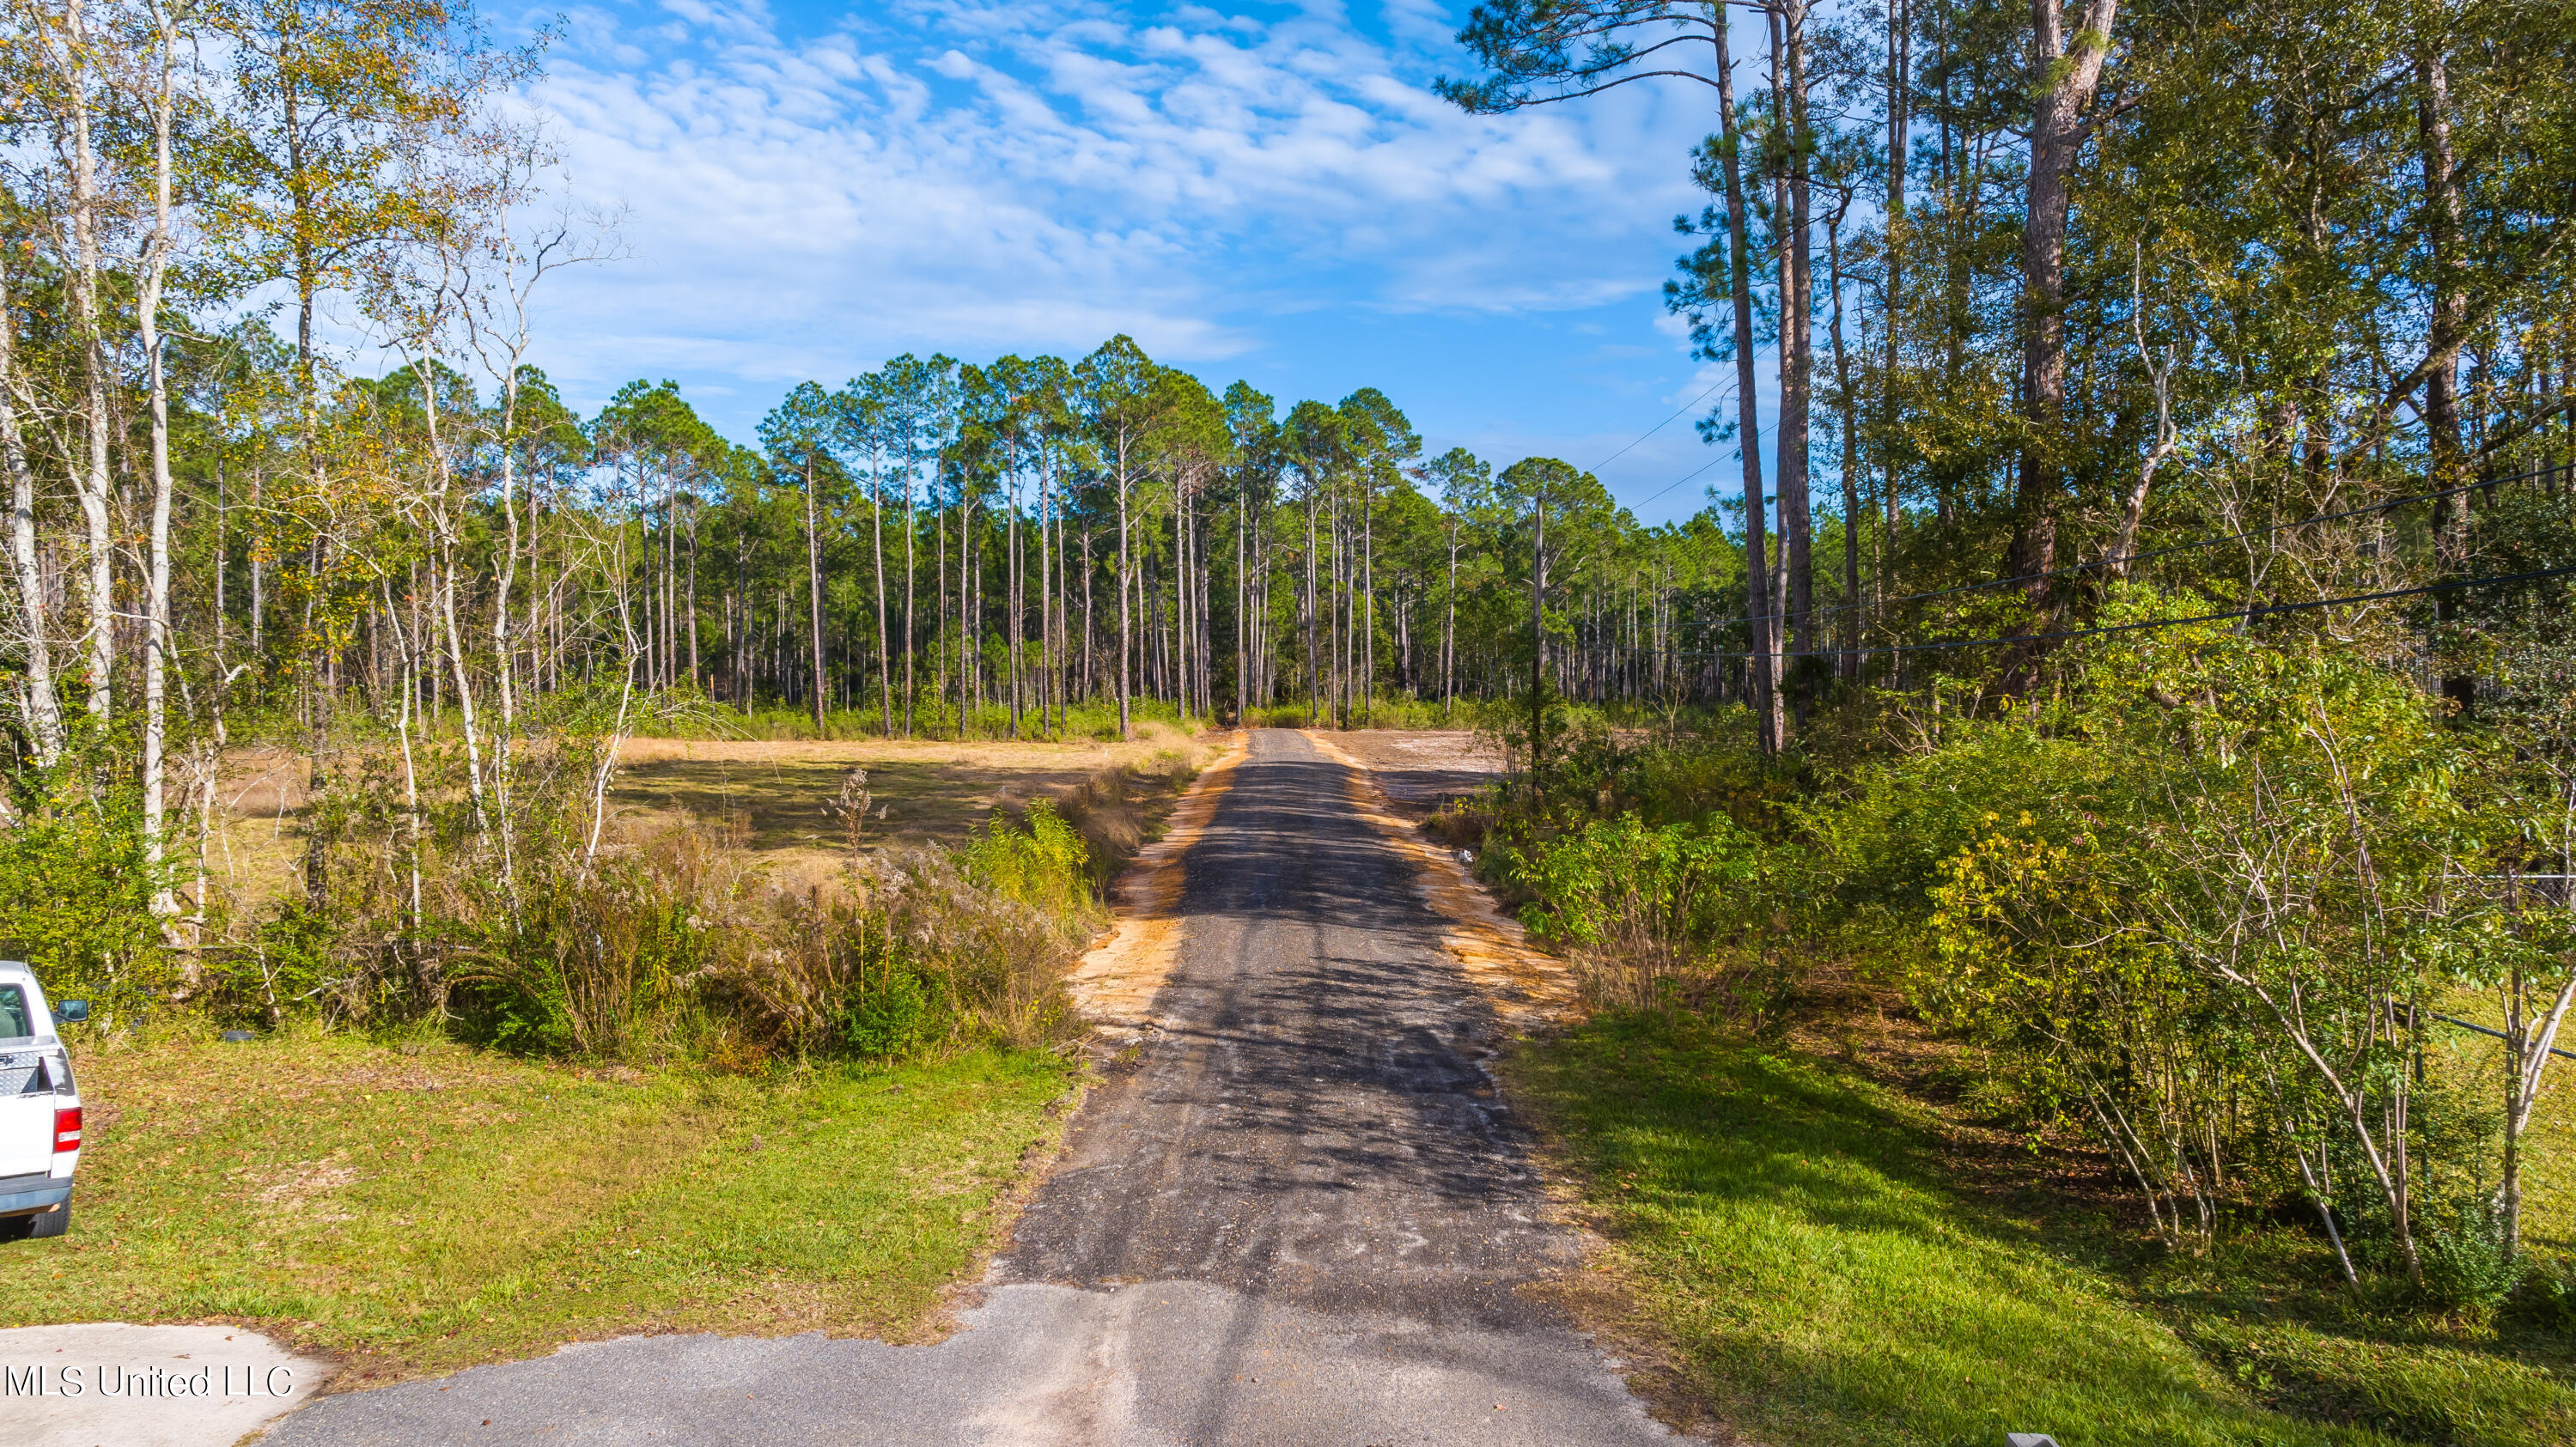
(67, 1130)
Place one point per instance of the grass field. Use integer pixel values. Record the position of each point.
(412, 1209)
(1807, 1246)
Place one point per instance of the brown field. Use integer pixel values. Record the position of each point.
(771, 796)
(775, 797)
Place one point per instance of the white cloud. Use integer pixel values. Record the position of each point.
(983, 175)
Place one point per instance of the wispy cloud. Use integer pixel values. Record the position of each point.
(808, 194)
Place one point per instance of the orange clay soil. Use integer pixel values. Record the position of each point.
(1114, 984)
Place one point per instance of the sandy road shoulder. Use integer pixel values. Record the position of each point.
(1114, 984)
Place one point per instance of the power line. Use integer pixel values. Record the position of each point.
(1676, 482)
(1712, 462)
(2265, 610)
(2143, 554)
(1658, 427)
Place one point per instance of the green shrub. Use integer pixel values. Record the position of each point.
(76, 896)
(2466, 1270)
(1041, 862)
(1659, 915)
(1672, 890)
(282, 966)
(2546, 1297)
(895, 1018)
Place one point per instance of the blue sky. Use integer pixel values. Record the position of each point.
(1261, 191)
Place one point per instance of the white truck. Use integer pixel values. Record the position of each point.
(40, 1109)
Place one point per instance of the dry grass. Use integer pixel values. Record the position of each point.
(776, 797)
(1123, 808)
(257, 844)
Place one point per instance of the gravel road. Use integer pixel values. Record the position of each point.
(1296, 1213)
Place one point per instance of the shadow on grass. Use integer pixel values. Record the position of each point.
(1793, 1234)
(2269, 1310)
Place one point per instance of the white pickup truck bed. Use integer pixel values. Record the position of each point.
(40, 1115)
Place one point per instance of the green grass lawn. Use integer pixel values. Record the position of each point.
(413, 1209)
(1799, 1238)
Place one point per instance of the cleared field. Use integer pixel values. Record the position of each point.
(776, 797)
(1421, 769)
(773, 797)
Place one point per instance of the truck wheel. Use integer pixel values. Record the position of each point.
(16, 1228)
(52, 1223)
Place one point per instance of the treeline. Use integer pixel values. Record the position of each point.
(936, 541)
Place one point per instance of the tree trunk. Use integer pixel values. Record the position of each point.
(814, 591)
(1014, 587)
(2528, 1044)
(1763, 668)
(1126, 572)
(689, 604)
(1242, 592)
(945, 652)
(91, 481)
(44, 704)
(1368, 597)
(156, 601)
(1314, 674)
(1538, 640)
(910, 530)
(1900, 119)
(1449, 636)
(2442, 378)
(1047, 611)
(885, 650)
(2057, 134)
(443, 587)
(1181, 600)
(1797, 328)
(1848, 405)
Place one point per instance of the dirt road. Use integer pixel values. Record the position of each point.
(1296, 1212)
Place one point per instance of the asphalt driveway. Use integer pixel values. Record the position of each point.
(1295, 1213)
